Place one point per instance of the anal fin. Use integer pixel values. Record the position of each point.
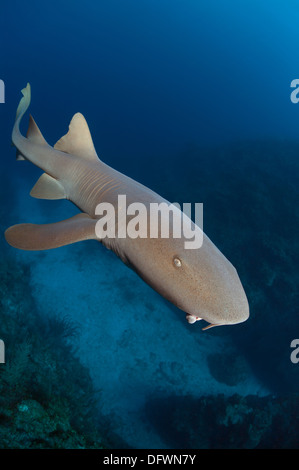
(46, 236)
(47, 187)
(19, 156)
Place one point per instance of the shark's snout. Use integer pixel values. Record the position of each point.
(235, 310)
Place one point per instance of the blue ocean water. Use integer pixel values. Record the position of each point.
(192, 99)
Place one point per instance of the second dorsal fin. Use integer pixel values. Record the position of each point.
(78, 140)
(34, 134)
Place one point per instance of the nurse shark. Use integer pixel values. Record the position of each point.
(201, 281)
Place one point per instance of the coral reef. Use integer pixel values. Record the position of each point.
(46, 396)
(233, 422)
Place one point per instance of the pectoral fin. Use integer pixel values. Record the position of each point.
(47, 236)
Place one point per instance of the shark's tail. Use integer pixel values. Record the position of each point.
(24, 102)
(21, 110)
(33, 134)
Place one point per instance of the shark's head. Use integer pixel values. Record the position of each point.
(220, 298)
(201, 282)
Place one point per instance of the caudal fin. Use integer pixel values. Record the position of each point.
(34, 135)
(24, 102)
(21, 110)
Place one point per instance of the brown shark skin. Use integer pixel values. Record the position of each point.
(205, 285)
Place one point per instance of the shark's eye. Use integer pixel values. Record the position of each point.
(177, 262)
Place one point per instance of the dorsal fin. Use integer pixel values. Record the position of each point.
(34, 134)
(78, 140)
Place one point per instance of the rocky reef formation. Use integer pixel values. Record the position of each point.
(46, 396)
(219, 422)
